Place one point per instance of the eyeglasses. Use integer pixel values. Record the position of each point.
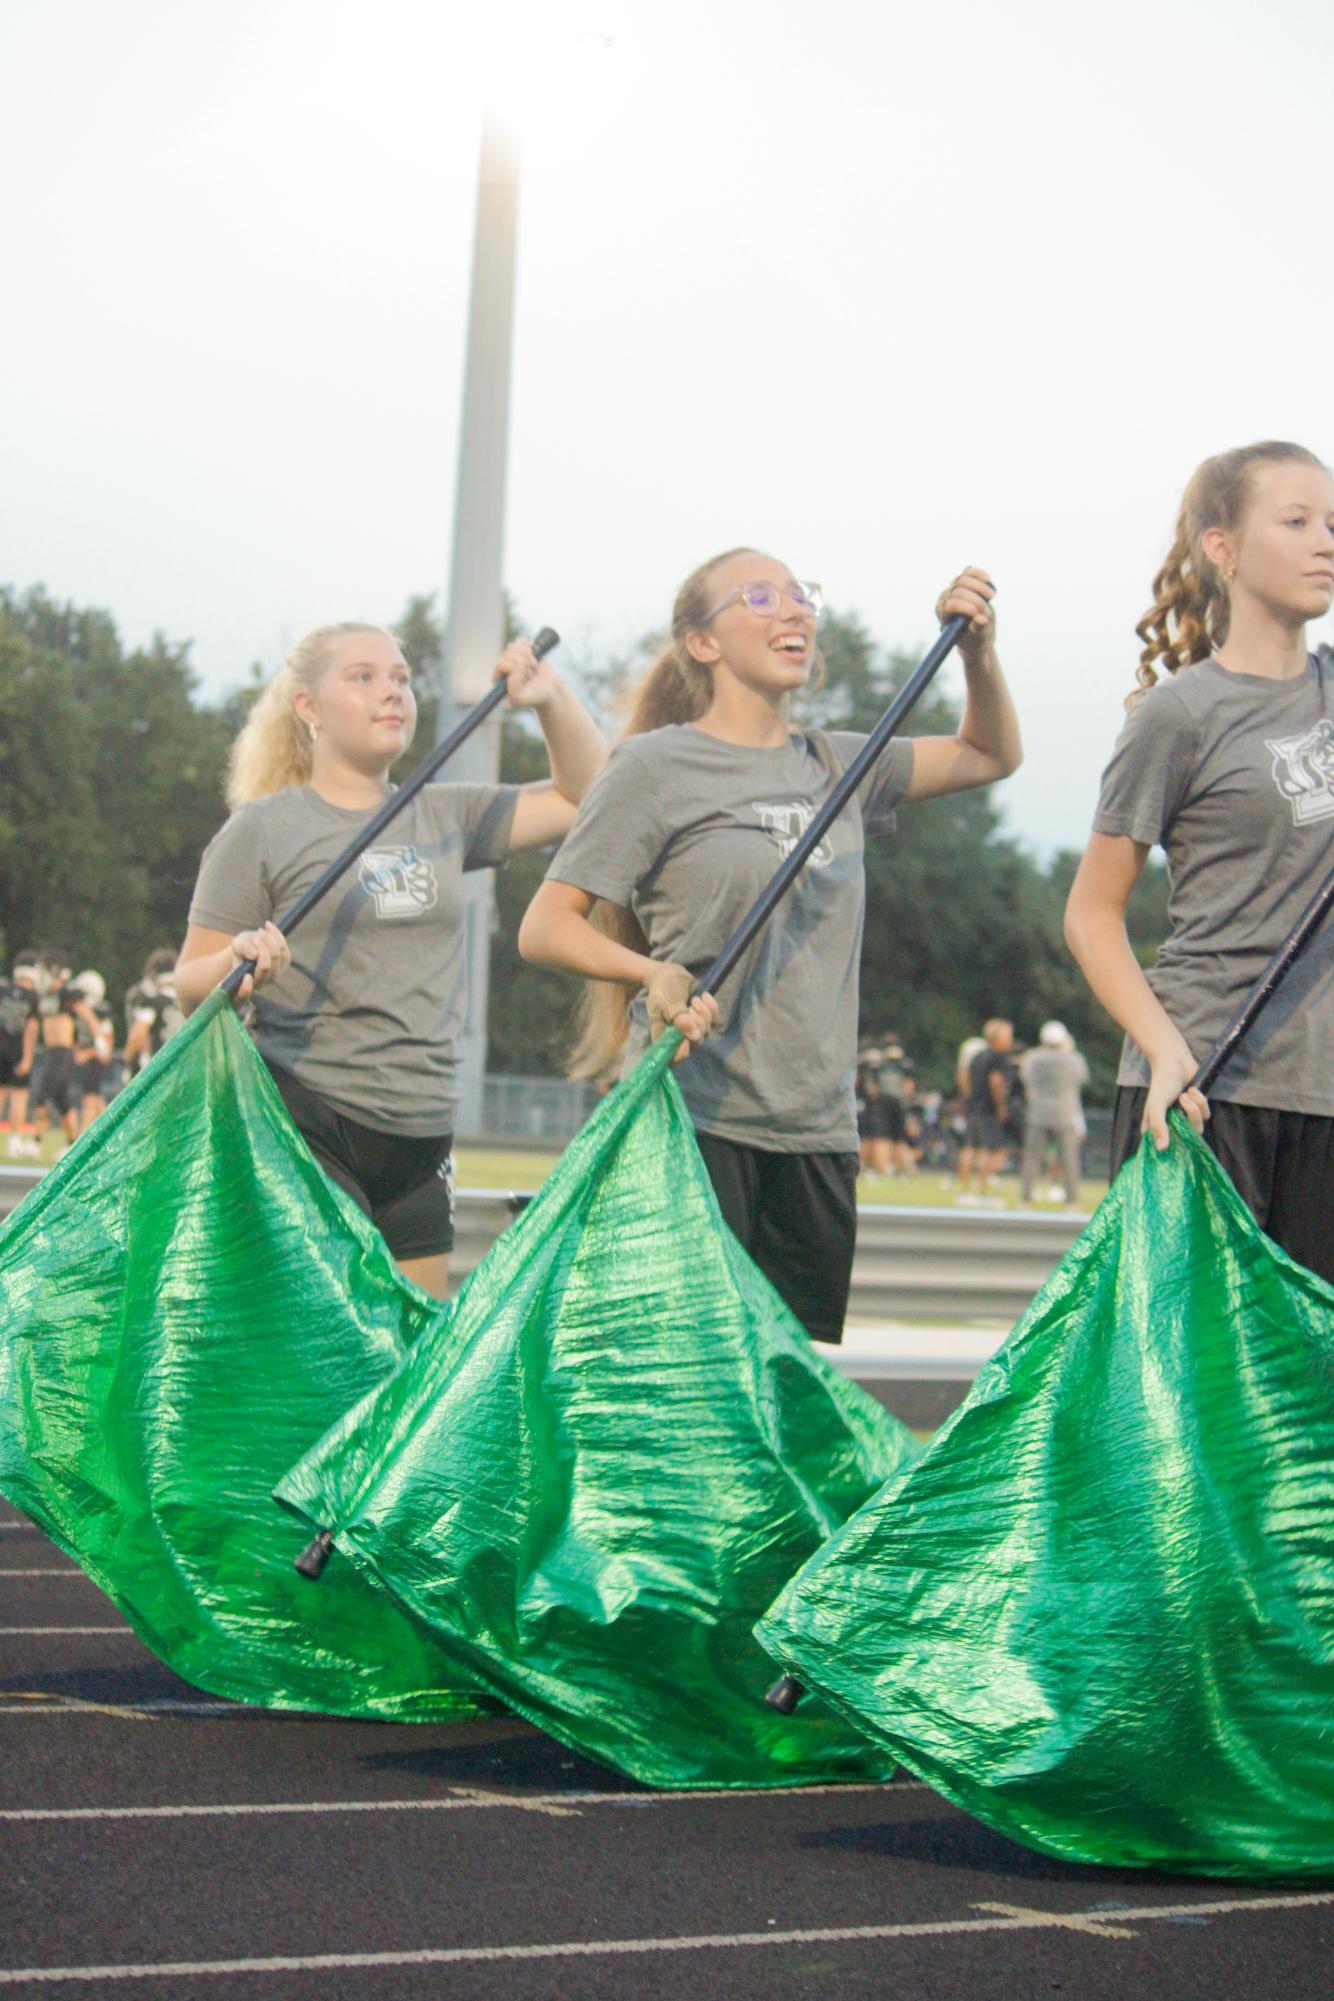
(766, 598)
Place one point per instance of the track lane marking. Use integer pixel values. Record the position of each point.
(1098, 1925)
(38, 1702)
(463, 1955)
(453, 1799)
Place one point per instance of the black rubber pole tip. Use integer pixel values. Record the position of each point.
(785, 1695)
(315, 1555)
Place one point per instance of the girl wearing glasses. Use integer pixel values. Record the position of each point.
(698, 805)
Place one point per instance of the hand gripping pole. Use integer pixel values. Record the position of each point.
(318, 1550)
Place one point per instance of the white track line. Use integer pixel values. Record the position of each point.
(463, 1798)
(67, 1570)
(14, 1632)
(455, 1798)
(1102, 1924)
(39, 1704)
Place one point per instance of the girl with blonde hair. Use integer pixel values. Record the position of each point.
(1228, 763)
(707, 792)
(358, 1019)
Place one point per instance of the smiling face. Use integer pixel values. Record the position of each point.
(362, 706)
(771, 653)
(1282, 554)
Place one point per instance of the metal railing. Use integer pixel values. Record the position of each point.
(541, 1110)
(911, 1264)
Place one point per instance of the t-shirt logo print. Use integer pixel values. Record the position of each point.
(787, 820)
(1304, 771)
(402, 883)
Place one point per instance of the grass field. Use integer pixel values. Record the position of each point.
(500, 1167)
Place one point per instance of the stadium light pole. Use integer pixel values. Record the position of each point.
(475, 623)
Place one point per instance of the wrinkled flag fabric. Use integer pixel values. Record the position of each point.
(1098, 1613)
(591, 1481)
(186, 1304)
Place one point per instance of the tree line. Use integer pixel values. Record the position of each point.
(111, 785)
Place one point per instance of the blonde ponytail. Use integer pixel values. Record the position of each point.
(1191, 611)
(676, 689)
(273, 748)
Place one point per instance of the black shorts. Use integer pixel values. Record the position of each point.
(873, 1119)
(405, 1185)
(988, 1133)
(1281, 1164)
(58, 1083)
(796, 1214)
(10, 1059)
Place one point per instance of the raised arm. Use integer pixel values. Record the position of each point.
(545, 811)
(1095, 930)
(986, 746)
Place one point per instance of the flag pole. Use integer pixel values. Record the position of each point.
(787, 1691)
(393, 805)
(310, 1563)
(793, 863)
(1260, 995)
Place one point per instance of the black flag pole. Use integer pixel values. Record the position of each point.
(1260, 995)
(785, 875)
(316, 1554)
(393, 805)
(787, 1692)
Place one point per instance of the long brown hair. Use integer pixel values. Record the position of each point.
(676, 689)
(1189, 617)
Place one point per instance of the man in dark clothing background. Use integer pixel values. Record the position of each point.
(992, 1126)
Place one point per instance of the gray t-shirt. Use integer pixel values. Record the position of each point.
(687, 830)
(1053, 1080)
(369, 1011)
(1234, 775)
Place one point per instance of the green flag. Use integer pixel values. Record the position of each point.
(1099, 1612)
(186, 1302)
(591, 1480)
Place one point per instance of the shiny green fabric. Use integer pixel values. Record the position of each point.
(185, 1304)
(1099, 1612)
(593, 1478)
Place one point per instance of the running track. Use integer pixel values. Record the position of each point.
(156, 1843)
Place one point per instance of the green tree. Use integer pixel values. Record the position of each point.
(48, 807)
(111, 776)
(110, 786)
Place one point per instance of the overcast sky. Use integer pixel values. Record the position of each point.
(882, 289)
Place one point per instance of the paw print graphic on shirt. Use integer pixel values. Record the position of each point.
(1304, 771)
(787, 820)
(402, 884)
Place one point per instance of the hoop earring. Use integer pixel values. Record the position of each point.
(314, 729)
